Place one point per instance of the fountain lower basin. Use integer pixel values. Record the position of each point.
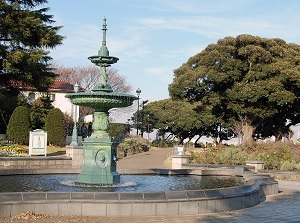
(162, 203)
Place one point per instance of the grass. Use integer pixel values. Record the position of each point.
(56, 151)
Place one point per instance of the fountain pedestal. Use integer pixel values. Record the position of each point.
(99, 161)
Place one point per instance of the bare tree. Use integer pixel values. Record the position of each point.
(88, 77)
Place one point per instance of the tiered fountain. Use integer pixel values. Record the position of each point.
(99, 151)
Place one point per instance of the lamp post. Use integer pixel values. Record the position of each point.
(142, 125)
(138, 92)
(74, 133)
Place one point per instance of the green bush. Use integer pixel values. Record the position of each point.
(231, 156)
(55, 127)
(117, 130)
(18, 127)
(133, 145)
(164, 143)
(287, 165)
(207, 157)
(276, 155)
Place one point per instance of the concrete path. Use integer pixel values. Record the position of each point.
(154, 158)
(281, 208)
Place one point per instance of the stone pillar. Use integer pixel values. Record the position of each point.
(76, 153)
(178, 160)
(258, 164)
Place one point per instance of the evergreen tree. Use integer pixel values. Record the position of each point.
(25, 36)
(19, 125)
(39, 111)
(251, 80)
(55, 127)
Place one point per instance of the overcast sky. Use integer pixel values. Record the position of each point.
(153, 37)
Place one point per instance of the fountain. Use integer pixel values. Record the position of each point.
(99, 150)
(99, 168)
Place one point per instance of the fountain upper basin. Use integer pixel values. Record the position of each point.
(101, 99)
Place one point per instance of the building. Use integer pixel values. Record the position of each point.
(57, 94)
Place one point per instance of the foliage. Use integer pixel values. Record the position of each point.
(143, 119)
(25, 35)
(19, 126)
(133, 145)
(176, 117)
(12, 150)
(249, 80)
(117, 130)
(164, 143)
(8, 103)
(69, 124)
(55, 127)
(199, 145)
(276, 155)
(290, 165)
(39, 111)
(231, 156)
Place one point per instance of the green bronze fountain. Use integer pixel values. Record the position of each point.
(99, 150)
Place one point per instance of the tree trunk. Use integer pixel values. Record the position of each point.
(247, 130)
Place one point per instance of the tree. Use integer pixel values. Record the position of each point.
(176, 117)
(88, 77)
(40, 108)
(251, 80)
(19, 125)
(55, 127)
(117, 131)
(25, 36)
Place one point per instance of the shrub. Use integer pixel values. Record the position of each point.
(19, 126)
(276, 155)
(133, 145)
(164, 143)
(69, 124)
(202, 157)
(231, 156)
(55, 127)
(287, 165)
(117, 130)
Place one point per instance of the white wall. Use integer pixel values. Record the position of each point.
(60, 101)
(63, 103)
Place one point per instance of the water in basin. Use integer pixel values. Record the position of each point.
(128, 183)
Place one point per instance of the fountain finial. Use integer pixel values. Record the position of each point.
(103, 60)
(103, 50)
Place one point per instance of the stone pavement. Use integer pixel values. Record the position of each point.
(284, 207)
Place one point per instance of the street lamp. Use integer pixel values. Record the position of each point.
(142, 125)
(74, 133)
(138, 92)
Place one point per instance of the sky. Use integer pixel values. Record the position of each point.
(151, 38)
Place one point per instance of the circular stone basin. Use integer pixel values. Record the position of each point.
(128, 183)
